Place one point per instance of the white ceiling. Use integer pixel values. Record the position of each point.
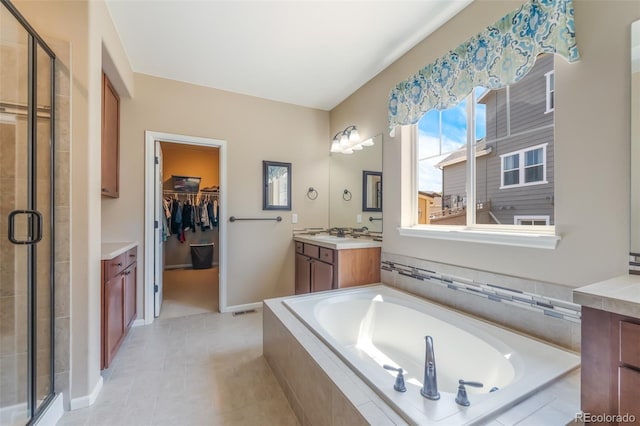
(309, 53)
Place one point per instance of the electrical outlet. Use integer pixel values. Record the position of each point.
(359, 218)
(294, 218)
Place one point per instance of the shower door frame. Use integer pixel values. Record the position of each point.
(36, 41)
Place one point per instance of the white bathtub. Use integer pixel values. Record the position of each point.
(375, 325)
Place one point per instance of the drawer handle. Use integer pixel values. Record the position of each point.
(132, 255)
(117, 264)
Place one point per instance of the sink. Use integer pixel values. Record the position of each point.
(331, 238)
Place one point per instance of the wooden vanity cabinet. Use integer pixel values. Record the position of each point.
(314, 268)
(118, 303)
(110, 139)
(320, 268)
(610, 373)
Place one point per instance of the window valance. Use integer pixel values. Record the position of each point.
(500, 55)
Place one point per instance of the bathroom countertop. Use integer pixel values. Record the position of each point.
(338, 243)
(111, 250)
(620, 295)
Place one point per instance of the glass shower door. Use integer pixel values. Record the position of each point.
(26, 220)
(14, 189)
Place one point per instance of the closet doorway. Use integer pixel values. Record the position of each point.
(190, 229)
(185, 233)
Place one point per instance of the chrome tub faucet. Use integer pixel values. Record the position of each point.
(430, 384)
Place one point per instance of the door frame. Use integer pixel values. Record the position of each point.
(151, 137)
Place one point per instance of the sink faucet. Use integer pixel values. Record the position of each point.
(430, 384)
(339, 231)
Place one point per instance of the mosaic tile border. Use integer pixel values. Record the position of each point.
(634, 263)
(548, 306)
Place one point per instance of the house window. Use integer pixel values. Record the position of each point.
(551, 87)
(531, 220)
(489, 159)
(524, 167)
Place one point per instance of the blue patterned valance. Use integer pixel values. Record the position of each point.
(500, 55)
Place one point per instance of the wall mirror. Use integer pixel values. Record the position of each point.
(276, 181)
(635, 138)
(371, 191)
(346, 173)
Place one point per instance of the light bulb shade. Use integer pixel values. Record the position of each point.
(335, 146)
(357, 147)
(347, 151)
(354, 135)
(344, 141)
(368, 142)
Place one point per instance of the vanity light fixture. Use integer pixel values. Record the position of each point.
(348, 140)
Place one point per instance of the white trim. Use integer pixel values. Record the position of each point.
(521, 167)
(138, 322)
(245, 307)
(87, 400)
(480, 153)
(485, 236)
(518, 218)
(52, 413)
(550, 92)
(150, 139)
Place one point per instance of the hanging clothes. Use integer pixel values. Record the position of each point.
(176, 215)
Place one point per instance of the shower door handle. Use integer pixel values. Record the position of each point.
(35, 226)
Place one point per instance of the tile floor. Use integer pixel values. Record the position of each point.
(205, 369)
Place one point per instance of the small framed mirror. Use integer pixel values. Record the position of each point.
(371, 191)
(276, 181)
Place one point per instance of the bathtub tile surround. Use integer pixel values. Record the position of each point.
(543, 310)
(291, 350)
(634, 263)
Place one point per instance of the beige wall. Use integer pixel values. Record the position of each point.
(591, 152)
(260, 255)
(635, 160)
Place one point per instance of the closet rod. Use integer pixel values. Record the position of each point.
(277, 219)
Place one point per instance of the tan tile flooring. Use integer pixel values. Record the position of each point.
(205, 369)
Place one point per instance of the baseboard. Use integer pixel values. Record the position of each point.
(245, 307)
(138, 322)
(53, 412)
(87, 400)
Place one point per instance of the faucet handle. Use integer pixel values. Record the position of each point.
(399, 384)
(462, 398)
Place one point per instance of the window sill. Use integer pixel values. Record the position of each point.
(507, 238)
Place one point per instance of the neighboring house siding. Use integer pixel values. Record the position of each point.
(527, 104)
(527, 98)
(454, 180)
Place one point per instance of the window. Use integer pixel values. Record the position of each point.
(551, 87)
(524, 167)
(493, 151)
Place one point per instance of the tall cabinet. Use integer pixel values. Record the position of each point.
(110, 139)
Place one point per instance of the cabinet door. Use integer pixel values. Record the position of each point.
(322, 276)
(110, 139)
(130, 294)
(303, 274)
(114, 316)
(629, 392)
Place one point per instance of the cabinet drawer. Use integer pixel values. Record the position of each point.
(326, 255)
(630, 343)
(312, 251)
(299, 247)
(113, 267)
(130, 256)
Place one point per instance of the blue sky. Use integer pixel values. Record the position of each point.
(454, 136)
